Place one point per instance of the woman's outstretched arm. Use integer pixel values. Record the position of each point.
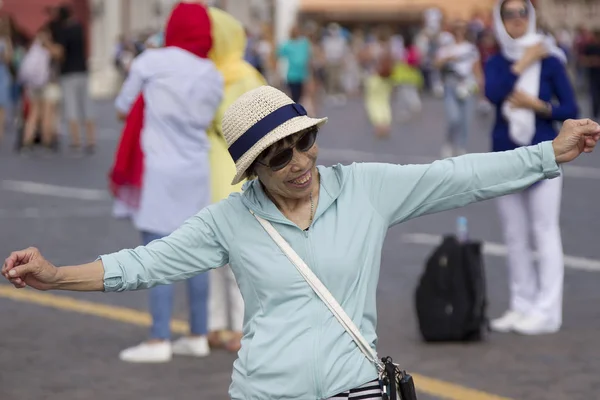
(192, 249)
(402, 192)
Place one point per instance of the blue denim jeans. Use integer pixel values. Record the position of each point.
(459, 114)
(161, 302)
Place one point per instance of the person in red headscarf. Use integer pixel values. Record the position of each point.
(161, 168)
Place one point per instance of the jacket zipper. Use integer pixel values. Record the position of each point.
(316, 364)
(317, 345)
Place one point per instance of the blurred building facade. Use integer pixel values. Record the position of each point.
(390, 10)
(106, 20)
(31, 15)
(569, 13)
(113, 18)
(362, 12)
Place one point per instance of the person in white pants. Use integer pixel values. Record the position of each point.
(528, 84)
(224, 295)
(537, 294)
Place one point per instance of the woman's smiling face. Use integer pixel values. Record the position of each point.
(296, 178)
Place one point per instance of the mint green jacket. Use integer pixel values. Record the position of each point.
(293, 347)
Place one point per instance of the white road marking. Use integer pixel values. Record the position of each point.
(56, 213)
(348, 156)
(500, 250)
(55, 190)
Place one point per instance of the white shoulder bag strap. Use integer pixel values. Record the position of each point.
(323, 293)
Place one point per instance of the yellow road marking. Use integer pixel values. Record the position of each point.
(430, 386)
(451, 391)
(121, 314)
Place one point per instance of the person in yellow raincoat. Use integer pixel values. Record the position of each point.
(378, 86)
(408, 80)
(229, 44)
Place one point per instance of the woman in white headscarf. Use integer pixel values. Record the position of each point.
(522, 82)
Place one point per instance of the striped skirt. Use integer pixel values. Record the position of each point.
(368, 391)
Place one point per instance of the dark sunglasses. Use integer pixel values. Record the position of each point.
(515, 14)
(282, 158)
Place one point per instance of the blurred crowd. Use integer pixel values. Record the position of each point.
(41, 76)
(319, 62)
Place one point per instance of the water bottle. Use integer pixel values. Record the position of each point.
(462, 231)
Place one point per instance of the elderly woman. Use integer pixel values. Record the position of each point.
(528, 83)
(335, 218)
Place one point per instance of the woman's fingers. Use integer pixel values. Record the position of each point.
(587, 127)
(17, 258)
(22, 270)
(590, 144)
(18, 283)
(9, 263)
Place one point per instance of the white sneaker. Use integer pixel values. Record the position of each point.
(191, 346)
(158, 352)
(535, 324)
(506, 322)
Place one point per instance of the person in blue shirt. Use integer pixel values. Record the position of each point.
(296, 51)
(528, 84)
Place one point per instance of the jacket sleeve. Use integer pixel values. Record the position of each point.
(563, 90)
(131, 87)
(192, 249)
(499, 81)
(401, 192)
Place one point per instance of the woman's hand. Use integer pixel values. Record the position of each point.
(532, 55)
(536, 52)
(28, 268)
(576, 137)
(519, 99)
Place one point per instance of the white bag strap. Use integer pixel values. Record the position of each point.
(323, 293)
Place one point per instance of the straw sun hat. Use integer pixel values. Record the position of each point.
(256, 120)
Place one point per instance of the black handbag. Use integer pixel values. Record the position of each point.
(397, 384)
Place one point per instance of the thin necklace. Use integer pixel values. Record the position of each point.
(312, 208)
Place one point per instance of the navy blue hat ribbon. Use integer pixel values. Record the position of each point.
(264, 126)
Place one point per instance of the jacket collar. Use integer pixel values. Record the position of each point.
(332, 181)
